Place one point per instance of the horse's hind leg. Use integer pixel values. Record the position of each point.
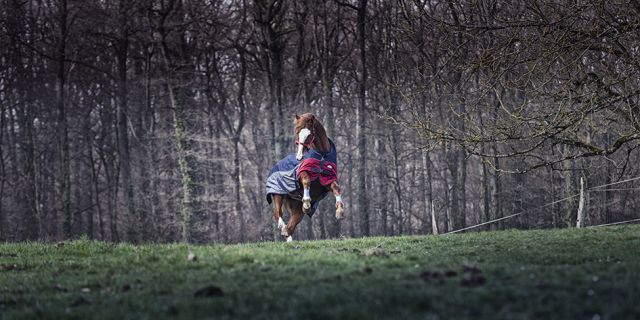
(335, 187)
(297, 215)
(277, 213)
(306, 198)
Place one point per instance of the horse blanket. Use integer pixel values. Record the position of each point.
(283, 177)
(320, 166)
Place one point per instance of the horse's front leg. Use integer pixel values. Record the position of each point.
(306, 197)
(277, 214)
(335, 187)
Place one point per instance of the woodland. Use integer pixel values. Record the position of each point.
(158, 120)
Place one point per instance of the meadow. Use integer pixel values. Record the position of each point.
(541, 274)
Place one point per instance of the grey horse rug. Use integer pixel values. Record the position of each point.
(282, 179)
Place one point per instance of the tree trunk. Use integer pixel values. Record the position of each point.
(31, 224)
(383, 181)
(64, 181)
(268, 15)
(151, 161)
(569, 218)
(580, 217)
(360, 123)
(112, 183)
(351, 217)
(95, 183)
(462, 217)
(92, 201)
(236, 141)
(124, 151)
(3, 174)
(447, 196)
(454, 162)
(607, 196)
(13, 170)
(215, 133)
(186, 209)
(177, 73)
(497, 181)
(427, 191)
(107, 155)
(237, 188)
(397, 182)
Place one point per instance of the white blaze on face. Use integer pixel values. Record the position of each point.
(302, 138)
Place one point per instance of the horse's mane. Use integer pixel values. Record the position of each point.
(321, 142)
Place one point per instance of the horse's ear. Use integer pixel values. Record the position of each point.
(297, 117)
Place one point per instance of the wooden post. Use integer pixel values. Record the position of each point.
(434, 224)
(580, 218)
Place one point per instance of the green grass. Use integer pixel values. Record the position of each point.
(563, 274)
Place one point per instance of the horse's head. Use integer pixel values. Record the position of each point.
(305, 127)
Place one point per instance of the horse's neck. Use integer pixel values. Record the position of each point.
(322, 145)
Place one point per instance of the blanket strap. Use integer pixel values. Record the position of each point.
(308, 145)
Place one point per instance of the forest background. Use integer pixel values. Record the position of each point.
(158, 120)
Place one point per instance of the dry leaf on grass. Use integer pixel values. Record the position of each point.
(192, 257)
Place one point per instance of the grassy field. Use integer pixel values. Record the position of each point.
(562, 274)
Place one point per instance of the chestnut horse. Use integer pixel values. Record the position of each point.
(317, 175)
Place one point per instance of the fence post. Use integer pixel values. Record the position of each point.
(580, 218)
(434, 223)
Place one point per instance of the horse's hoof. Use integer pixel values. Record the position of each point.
(306, 205)
(289, 239)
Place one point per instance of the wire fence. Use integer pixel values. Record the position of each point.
(591, 189)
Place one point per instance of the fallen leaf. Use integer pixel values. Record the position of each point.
(78, 302)
(473, 280)
(450, 273)
(432, 276)
(106, 290)
(209, 292)
(60, 288)
(172, 310)
(375, 252)
(8, 302)
(471, 269)
(192, 257)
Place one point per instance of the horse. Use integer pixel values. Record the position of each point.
(314, 167)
